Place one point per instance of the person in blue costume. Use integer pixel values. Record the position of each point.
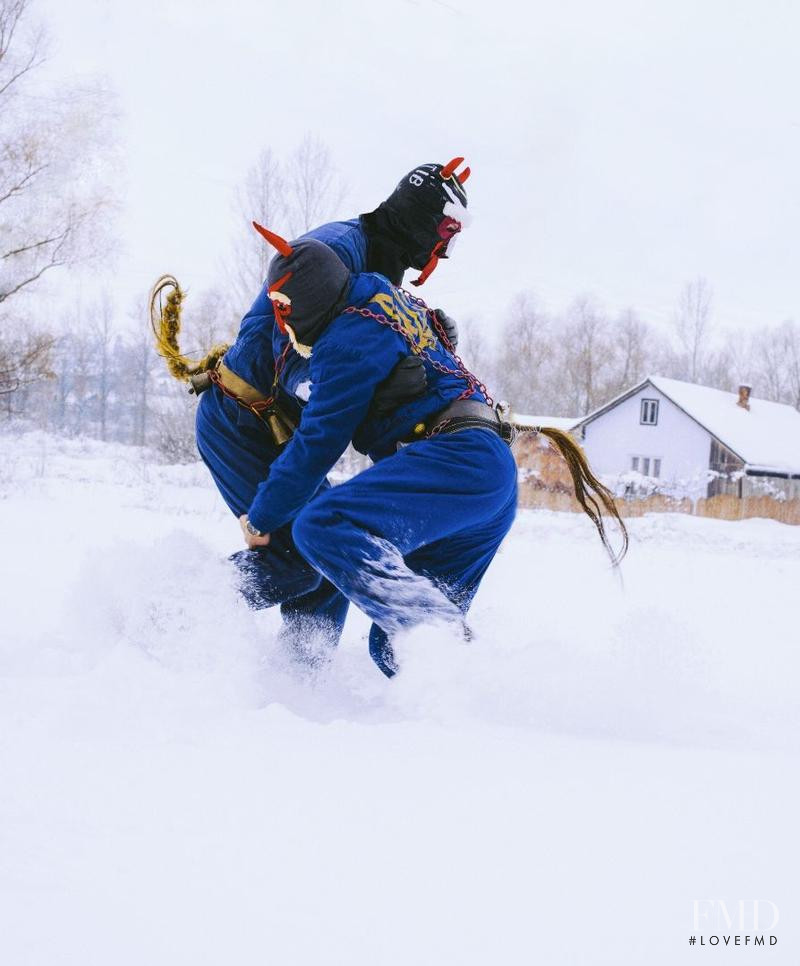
(409, 539)
(415, 227)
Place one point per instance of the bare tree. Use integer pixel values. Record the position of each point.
(54, 205)
(81, 361)
(315, 190)
(634, 345)
(290, 195)
(524, 355)
(102, 334)
(24, 360)
(693, 325)
(262, 198)
(211, 321)
(473, 347)
(774, 354)
(769, 363)
(142, 363)
(791, 333)
(585, 354)
(63, 385)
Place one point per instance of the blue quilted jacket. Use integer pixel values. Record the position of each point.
(351, 357)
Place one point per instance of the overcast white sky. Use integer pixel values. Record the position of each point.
(617, 148)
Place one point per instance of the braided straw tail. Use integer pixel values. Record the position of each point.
(589, 491)
(165, 321)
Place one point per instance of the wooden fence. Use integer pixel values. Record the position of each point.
(548, 486)
(721, 507)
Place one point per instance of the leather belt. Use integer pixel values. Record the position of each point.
(459, 415)
(280, 422)
(238, 387)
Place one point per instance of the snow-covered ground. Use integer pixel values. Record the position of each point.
(173, 791)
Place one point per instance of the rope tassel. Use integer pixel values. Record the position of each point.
(592, 495)
(165, 321)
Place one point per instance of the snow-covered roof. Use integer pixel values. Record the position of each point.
(554, 422)
(766, 437)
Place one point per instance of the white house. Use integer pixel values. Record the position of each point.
(678, 432)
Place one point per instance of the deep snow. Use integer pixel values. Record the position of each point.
(173, 790)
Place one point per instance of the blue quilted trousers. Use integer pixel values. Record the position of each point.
(409, 539)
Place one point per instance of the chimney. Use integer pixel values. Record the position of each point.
(744, 396)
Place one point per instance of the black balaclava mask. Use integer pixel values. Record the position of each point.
(307, 283)
(418, 222)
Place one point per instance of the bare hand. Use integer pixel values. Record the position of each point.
(251, 541)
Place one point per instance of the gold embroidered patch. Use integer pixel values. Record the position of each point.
(413, 320)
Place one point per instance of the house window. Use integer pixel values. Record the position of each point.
(646, 465)
(722, 460)
(649, 412)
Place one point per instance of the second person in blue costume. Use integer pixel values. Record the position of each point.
(415, 227)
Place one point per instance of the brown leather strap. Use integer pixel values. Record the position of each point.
(238, 387)
(279, 421)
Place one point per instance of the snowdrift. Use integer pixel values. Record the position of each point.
(176, 789)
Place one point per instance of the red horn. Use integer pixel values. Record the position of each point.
(275, 240)
(450, 167)
(461, 178)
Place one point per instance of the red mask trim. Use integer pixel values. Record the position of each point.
(448, 227)
(433, 261)
(282, 309)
